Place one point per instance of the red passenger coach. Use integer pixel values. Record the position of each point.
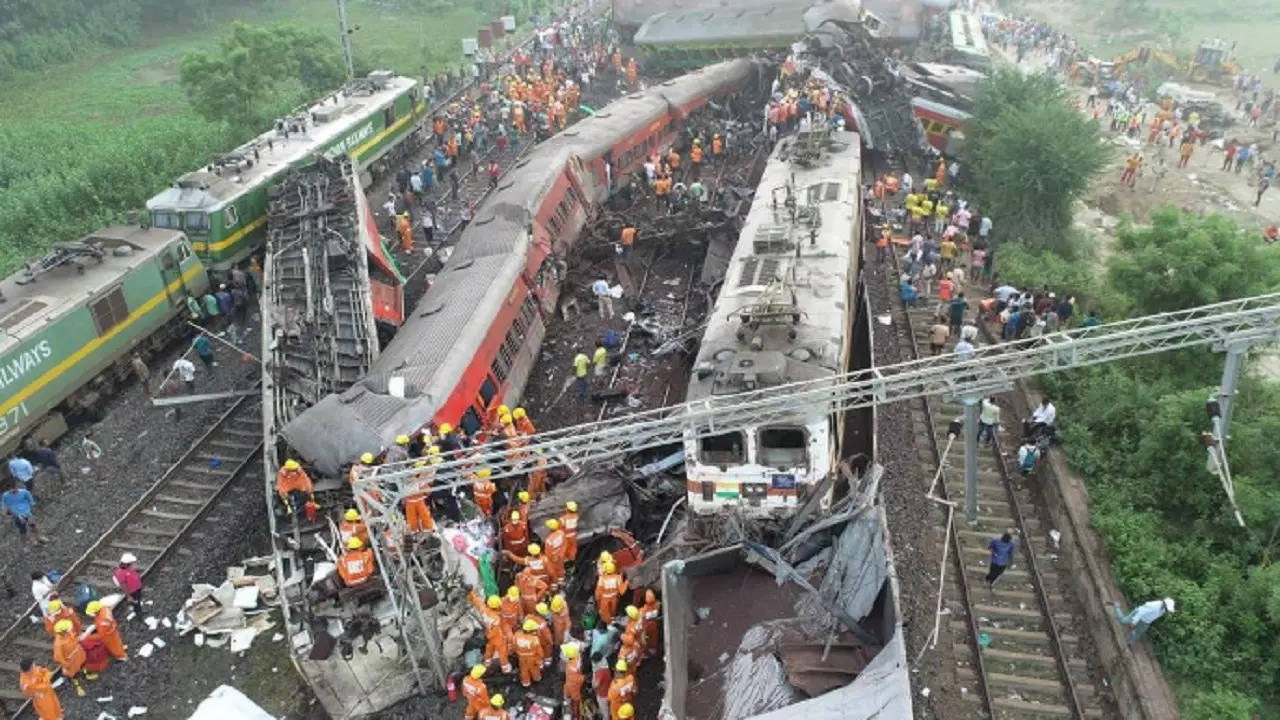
(472, 341)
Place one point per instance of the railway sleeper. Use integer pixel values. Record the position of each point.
(174, 499)
(138, 547)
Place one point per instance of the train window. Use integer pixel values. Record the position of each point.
(499, 368)
(184, 250)
(782, 447)
(165, 219)
(723, 449)
(195, 221)
(487, 390)
(470, 422)
(389, 115)
(230, 218)
(109, 310)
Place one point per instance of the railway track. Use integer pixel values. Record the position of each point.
(151, 529)
(1028, 661)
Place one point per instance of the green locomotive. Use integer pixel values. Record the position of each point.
(222, 207)
(70, 322)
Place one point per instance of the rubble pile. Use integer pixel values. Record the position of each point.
(232, 613)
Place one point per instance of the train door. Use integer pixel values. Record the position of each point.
(170, 262)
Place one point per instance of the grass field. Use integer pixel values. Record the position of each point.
(82, 142)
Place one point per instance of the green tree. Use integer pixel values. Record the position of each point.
(1031, 157)
(257, 72)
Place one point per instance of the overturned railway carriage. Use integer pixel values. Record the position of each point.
(71, 319)
(474, 336)
(222, 207)
(785, 314)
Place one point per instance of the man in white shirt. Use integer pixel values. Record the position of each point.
(604, 298)
(186, 372)
(964, 350)
(1142, 616)
(1042, 419)
(908, 183)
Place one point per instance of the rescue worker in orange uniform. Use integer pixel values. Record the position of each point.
(538, 475)
(532, 589)
(555, 545)
(353, 526)
(293, 484)
(475, 692)
(523, 423)
(695, 159)
(569, 521)
(574, 677)
(630, 650)
(404, 229)
(534, 562)
(539, 616)
(36, 683)
(511, 611)
(58, 612)
(69, 655)
(417, 513)
(634, 624)
(524, 500)
(673, 159)
(483, 489)
(356, 565)
(108, 631)
(560, 620)
(494, 710)
(366, 460)
(632, 72)
(627, 711)
(622, 691)
(717, 148)
(651, 614)
(515, 534)
(495, 632)
(529, 653)
(609, 587)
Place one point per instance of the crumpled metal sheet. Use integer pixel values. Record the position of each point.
(603, 502)
(881, 692)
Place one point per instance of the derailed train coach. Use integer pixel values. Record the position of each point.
(472, 340)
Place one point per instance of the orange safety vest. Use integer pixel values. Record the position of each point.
(355, 567)
(628, 236)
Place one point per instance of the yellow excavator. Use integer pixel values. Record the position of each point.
(1211, 63)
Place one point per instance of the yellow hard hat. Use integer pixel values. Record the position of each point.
(621, 666)
(420, 463)
(351, 515)
(291, 465)
(626, 712)
(535, 549)
(62, 626)
(354, 543)
(633, 612)
(494, 602)
(93, 608)
(477, 671)
(605, 555)
(541, 609)
(436, 460)
(367, 458)
(697, 141)
(570, 651)
(515, 516)
(529, 625)
(497, 700)
(402, 439)
(433, 450)
(610, 568)
(557, 603)
(484, 473)
(55, 606)
(553, 524)
(523, 495)
(513, 592)
(519, 413)
(505, 419)
(571, 506)
(503, 410)
(445, 428)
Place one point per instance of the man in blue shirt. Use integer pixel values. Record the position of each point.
(19, 504)
(22, 470)
(1001, 557)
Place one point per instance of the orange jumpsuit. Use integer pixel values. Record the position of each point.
(288, 481)
(621, 691)
(510, 612)
(416, 511)
(515, 536)
(109, 633)
(573, 680)
(529, 653)
(560, 622)
(349, 529)
(355, 567)
(484, 491)
(554, 548)
(535, 565)
(493, 713)
(68, 654)
(717, 146)
(650, 613)
(695, 155)
(569, 522)
(632, 653)
(405, 231)
(532, 590)
(495, 639)
(37, 684)
(64, 613)
(477, 696)
(544, 633)
(631, 72)
(538, 477)
(608, 589)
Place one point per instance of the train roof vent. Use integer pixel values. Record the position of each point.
(748, 275)
(772, 240)
(326, 113)
(20, 314)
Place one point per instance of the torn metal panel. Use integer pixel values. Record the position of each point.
(603, 502)
(882, 691)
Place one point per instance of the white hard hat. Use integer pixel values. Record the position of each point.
(128, 559)
(1169, 604)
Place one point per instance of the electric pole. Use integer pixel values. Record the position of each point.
(344, 36)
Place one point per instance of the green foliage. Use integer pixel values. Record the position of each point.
(1182, 261)
(1034, 155)
(1221, 703)
(256, 71)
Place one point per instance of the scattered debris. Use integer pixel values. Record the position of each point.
(235, 611)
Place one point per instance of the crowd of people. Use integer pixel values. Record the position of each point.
(532, 621)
